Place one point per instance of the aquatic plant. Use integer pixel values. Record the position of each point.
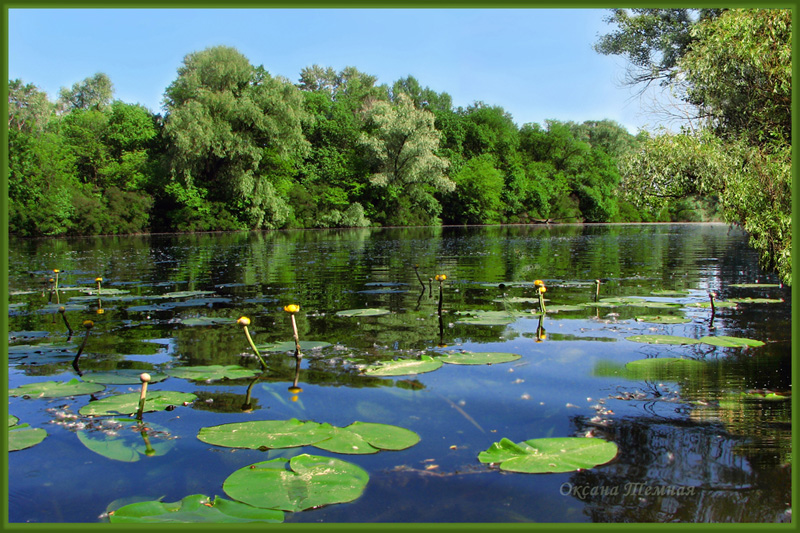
(440, 278)
(88, 324)
(145, 377)
(99, 281)
(292, 309)
(244, 322)
(63, 311)
(549, 455)
(540, 290)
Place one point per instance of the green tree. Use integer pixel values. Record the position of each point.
(652, 40)
(402, 142)
(236, 137)
(29, 109)
(477, 198)
(91, 93)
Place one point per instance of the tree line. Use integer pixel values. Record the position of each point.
(237, 148)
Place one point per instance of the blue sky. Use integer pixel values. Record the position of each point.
(537, 64)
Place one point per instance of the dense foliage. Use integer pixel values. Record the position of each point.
(237, 148)
(734, 68)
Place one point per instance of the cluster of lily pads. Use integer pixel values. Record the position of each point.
(263, 491)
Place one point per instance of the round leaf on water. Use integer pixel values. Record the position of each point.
(662, 339)
(311, 481)
(23, 436)
(263, 434)
(730, 342)
(490, 318)
(194, 508)
(207, 321)
(756, 300)
(754, 285)
(479, 358)
(663, 319)
(668, 292)
(540, 456)
(126, 404)
(289, 346)
(12, 420)
(55, 389)
(717, 304)
(563, 308)
(122, 376)
(212, 372)
(363, 312)
(186, 294)
(127, 440)
(368, 437)
(405, 367)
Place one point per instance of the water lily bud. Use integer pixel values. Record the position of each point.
(56, 270)
(243, 321)
(292, 308)
(98, 279)
(88, 324)
(538, 283)
(542, 289)
(441, 277)
(145, 377)
(62, 309)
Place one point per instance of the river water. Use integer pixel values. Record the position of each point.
(701, 447)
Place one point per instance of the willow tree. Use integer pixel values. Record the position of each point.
(235, 135)
(401, 141)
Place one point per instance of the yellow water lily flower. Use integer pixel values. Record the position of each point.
(292, 308)
(243, 321)
(542, 289)
(441, 277)
(538, 283)
(88, 324)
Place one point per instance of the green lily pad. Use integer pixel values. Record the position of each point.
(668, 292)
(749, 300)
(289, 346)
(55, 389)
(563, 308)
(766, 395)
(126, 404)
(207, 321)
(479, 358)
(368, 437)
(186, 294)
(212, 372)
(730, 342)
(517, 299)
(102, 292)
(21, 436)
(12, 420)
(311, 481)
(541, 456)
(266, 434)
(122, 376)
(663, 319)
(363, 312)
(662, 339)
(405, 367)
(717, 304)
(123, 440)
(490, 318)
(19, 350)
(194, 508)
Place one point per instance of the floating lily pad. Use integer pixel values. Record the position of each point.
(754, 285)
(749, 300)
(730, 342)
(663, 319)
(20, 350)
(193, 509)
(186, 294)
(149, 308)
(311, 481)
(363, 312)
(479, 358)
(718, 304)
(266, 434)
(490, 318)
(207, 321)
(766, 395)
(367, 437)
(563, 308)
(541, 456)
(55, 389)
(517, 299)
(21, 436)
(54, 308)
(127, 440)
(127, 404)
(92, 291)
(122, 376)
(662, 339)
(668, 292)
(212, 372)
(405, 367)
(289, 346)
